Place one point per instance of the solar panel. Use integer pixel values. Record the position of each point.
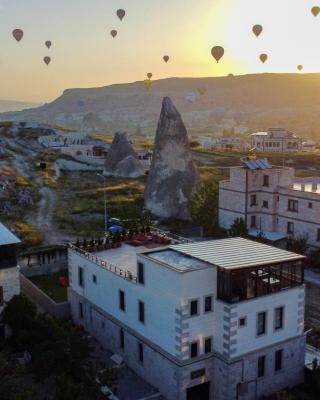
(257, 164)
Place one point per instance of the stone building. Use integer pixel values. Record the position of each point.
(271, 200)
(9, 271)
(220, 320)
(276, 140)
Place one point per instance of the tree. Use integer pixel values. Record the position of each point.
(194, 144)
(238, 228)
(204, 206)
(297, 245)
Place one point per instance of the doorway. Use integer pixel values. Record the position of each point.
(199, 392)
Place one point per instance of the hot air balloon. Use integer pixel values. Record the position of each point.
(257, 29)
(147, 83)
(17, 34)
(300, 67)
(121, 14)
(48, 44)
(263, 57)
(47, 60)
(191, 97)
(149, 75)
(166, 58)
(114, 33)
(315, 11)
(202, 90)
(217, 52)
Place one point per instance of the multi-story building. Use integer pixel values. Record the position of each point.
(271, 200)
(276, 139)
(9, 270)
(220, 320)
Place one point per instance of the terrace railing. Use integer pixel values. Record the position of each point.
(178, 239)
(104, 264)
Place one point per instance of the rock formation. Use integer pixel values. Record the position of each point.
(122, 161)
(173, 178)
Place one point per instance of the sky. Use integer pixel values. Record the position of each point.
(85, 55)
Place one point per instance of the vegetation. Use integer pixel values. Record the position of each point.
(61, 355)
(238, 228)
(297, 245)
(204, 206)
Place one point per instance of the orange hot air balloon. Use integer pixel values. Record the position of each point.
(300, 67)
(121, 14)
(48, 44)
(257, 29)
(17, 34)
(113, 33)
(217, 53)
(47, 60)
(315, 11)
(149, 75)
(263, 57)
(166, 58)
(147, 83)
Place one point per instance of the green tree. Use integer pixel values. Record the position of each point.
(204, 206)
(194, 144)
(297, 245)
(238, 228)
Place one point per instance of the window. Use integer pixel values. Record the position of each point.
(140, 273)
(122, 300)
(207, 304)
(141, 311)
(266, 180)
(253, 221)
(265, 204)
(80, 276)
(293, 205)
(278, 318)
(261, 366)
(242, 322)
(278, 360)
(194, 349)
(318, 235)
(208, 345)
(290, 228)
(121, 338)
(193, 307)
(261, 323)
(94, 278)
(253, 200)
(140, 352)
(80, 310)
(310, 205)
(1, 295)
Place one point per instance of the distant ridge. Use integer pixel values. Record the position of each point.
(12, 105)
(246, 102)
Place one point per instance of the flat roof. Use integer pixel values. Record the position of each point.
(6, 236)
(234, 253)
(269, 235)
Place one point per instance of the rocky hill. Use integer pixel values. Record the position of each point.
(207, 105)
(10, 105)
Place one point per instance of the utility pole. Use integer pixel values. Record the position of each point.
(105, 203)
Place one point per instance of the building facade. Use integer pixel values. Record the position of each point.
(9, 271)
(276, 140)
(272, 200)
(220, 320)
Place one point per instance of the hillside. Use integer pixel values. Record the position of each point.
(207, 104)
(10, 105)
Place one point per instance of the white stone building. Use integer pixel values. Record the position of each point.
(271, 201)
(276, 140)
(9, 270)
(220, 320)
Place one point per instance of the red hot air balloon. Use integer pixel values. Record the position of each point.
(217, 53)
(263, 57)
(257, 29)
(17, 34)
(149, 75)
(166, 58)
(121, 14)
(47, 60)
